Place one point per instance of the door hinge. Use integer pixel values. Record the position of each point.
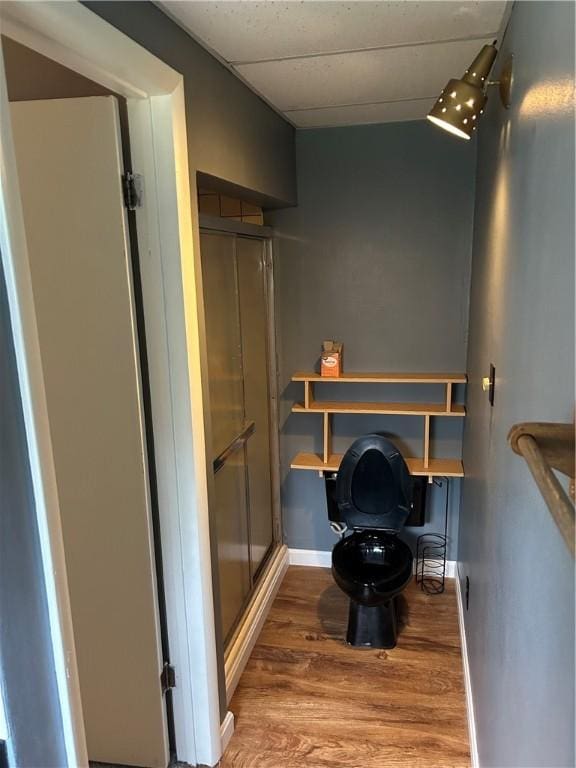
(132, 188)
(168, 677)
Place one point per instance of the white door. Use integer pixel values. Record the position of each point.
(69, 166)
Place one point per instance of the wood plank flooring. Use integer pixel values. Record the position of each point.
(306, 700)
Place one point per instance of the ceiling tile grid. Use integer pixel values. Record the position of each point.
(383, 74)
(331, 63)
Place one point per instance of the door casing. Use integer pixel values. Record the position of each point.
(168, 237)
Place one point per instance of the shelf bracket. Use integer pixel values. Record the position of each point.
(327, 437)
(426, 442)
(308, 394)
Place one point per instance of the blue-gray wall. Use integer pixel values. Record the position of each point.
(520, 624)
(377, 255)
(232, 133)
(26, 661)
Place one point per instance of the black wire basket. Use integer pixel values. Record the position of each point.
(431, 555)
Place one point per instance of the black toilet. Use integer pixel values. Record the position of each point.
(372, 565)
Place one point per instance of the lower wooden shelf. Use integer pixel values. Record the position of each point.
(435, 468)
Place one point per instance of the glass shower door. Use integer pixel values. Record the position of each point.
(236, 315)
(227, 423)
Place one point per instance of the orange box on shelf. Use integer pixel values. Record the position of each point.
(331, 359)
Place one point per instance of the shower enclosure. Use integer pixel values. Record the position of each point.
(236, 288)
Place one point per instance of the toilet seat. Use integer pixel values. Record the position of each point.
(373, 486)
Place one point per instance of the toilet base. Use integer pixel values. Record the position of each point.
(372, 626)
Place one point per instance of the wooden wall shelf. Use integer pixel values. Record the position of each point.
(436, 467)
(425, 466)
(390, 409)
(385, 378)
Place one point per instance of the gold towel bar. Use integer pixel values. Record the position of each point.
(548, 446)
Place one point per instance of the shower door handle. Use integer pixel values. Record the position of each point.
(238, 442)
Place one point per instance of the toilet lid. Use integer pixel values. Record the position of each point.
(373, 487)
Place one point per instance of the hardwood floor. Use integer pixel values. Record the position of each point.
(306, 700)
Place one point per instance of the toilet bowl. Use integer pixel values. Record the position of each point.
(372, 568)
(372, 565)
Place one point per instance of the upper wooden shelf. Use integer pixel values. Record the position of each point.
(399, 409)
(385, 378)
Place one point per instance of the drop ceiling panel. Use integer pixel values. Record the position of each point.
(387, 112)
(344, 61)
(362, 77)
(255, 31)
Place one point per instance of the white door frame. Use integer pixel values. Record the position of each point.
(168, 241)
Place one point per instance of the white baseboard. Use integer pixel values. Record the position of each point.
(226, 730)
(253, 621)
(467, 678)
(317, 558)
(451, 567)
